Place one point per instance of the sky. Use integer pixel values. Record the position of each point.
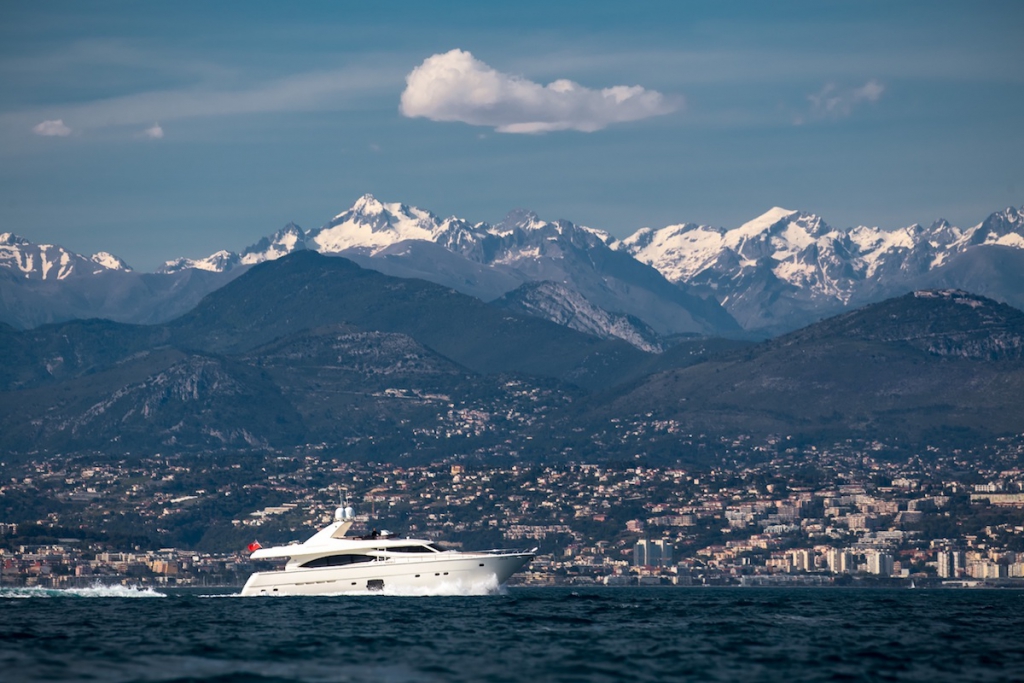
(160, 130)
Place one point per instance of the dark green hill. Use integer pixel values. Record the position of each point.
(306, 290)
(159, 399)
(347, 383)
(305, 350)
(949, 323)
(64, 351)
(316, 350)
(920, 366)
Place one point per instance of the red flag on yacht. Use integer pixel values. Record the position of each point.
(254, 546)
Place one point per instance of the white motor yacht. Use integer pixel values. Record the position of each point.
(331, 562)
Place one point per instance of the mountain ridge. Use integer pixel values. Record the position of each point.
(314, 352)
(776, 272)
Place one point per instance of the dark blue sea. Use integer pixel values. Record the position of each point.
(520, 634)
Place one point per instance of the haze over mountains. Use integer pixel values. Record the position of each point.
(773, 274)
(310, 351)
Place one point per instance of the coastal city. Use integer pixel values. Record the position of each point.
(797, 516)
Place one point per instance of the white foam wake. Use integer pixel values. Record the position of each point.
(97, 590)
(488, 586)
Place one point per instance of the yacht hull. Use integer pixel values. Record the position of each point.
(410, 575)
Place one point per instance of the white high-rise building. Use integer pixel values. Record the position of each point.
(880, 563)
(950, 563)
(944, 564)
(801, 560)
(840, 561)
(648, 553)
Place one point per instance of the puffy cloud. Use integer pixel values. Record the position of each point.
(52, 128)
(833, 102)
(455, 86)
(154, 132)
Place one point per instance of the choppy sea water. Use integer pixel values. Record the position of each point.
(525, 634)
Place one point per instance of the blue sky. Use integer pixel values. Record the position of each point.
(162, 130)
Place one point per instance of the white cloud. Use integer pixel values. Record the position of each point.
(52, 128)
(154, 132)
(455, 86)
(833, 102)
(311, 91)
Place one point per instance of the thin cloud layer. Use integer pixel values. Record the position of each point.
(311, 91)
(832, 102)
(55, 128)
(455, 86)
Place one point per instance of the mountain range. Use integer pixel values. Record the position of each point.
(310, 351)
(787, 268)
(42, 283)
(771, 275)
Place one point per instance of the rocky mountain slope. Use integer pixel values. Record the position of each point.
(559, 304)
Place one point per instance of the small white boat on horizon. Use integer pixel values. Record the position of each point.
(329, 562)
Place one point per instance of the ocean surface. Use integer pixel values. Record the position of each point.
(517, 634)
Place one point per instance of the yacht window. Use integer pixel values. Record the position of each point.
(338, 560)
(430, 548)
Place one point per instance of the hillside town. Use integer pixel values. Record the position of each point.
(808, 516)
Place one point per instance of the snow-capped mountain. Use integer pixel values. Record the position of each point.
(489, 260)
(43, 283)
(779, 271)
(23, 259)
(286, 240)
(371, 224)
(787, 268)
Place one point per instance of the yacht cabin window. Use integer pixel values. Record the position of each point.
(338, 560)
(425, 548)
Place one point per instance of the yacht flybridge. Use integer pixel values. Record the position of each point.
(331, 562)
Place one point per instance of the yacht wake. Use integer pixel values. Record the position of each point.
(487, 586)
(97, 590)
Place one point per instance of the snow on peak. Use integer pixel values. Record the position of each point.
(215, 263)
(599, 234)
(108, 261)
(678, 251)
(288, 239)
(9, 239)
(367, 205)
(778, 233)
(638, 240)
(522, 219)
(761, 223)
(374, 225)
(52, 262)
